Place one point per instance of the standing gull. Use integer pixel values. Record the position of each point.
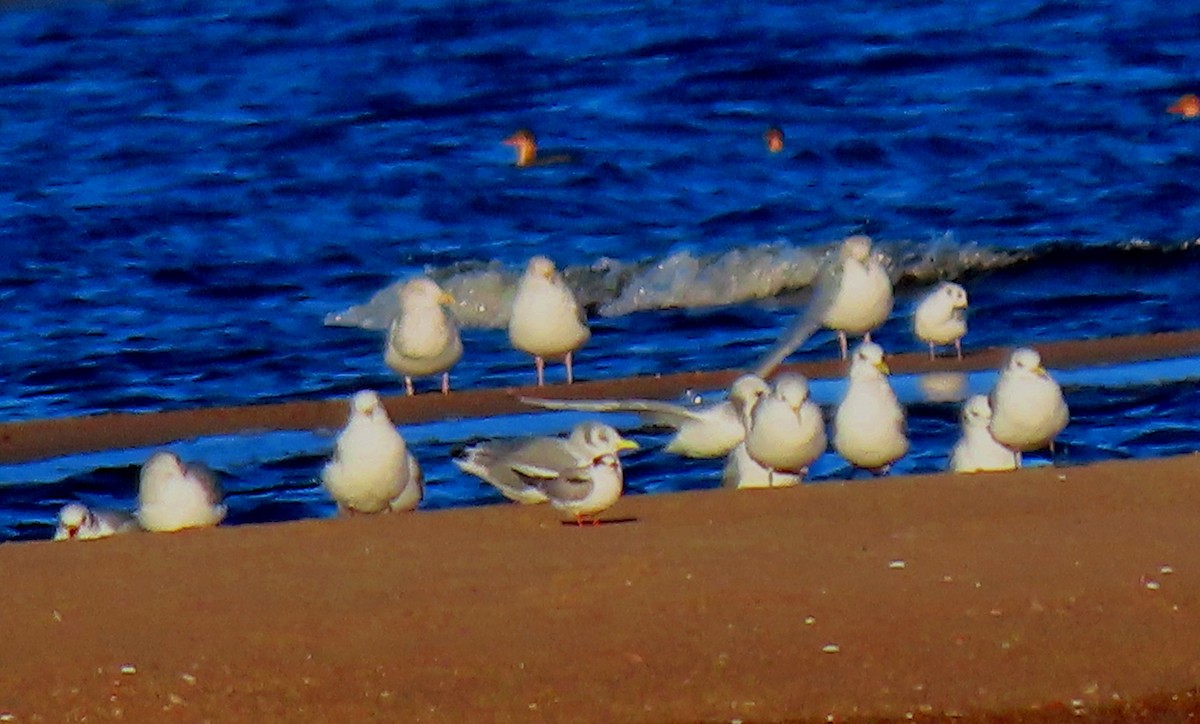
(76, 521)
(976, 450)
(852, 295)
(787, 430)
(941, 318)
(173, 495)
(546, 321)
(742, 471)
(423, 339)
(869, 427)
(1028, 409)
(372, 470)
(580, 474)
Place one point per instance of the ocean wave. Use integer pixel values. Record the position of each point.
(683, 279)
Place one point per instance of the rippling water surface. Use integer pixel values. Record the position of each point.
(201, 199)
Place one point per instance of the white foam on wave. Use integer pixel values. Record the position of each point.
(683, 279)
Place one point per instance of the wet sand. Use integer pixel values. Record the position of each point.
(1024, 596)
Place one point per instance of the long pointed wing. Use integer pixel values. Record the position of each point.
(536, 472)
(824, 292)
(663, 413)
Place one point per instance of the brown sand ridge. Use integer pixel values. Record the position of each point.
(1034, 596)
(35, 439)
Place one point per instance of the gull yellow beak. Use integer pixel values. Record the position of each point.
(627, 444)
(447, 299)
(883, 367)
(1040, 371)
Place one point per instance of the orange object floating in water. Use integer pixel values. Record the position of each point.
(773, 137)
(527, 150)
(526, 145)
(1187, 106)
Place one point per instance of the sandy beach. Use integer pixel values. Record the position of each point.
(1046, 594)
(1036, 595)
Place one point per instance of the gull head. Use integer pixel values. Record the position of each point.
(1025, 361)
(521, 137)
(601, 437)
(72, 517)
(541, 266)
(366, 402)
(857, 247)
(954, 294)
(745, 392)
(523, 140)
(423, 291)
(977, 412)
(792, 389)
(162, 466)
(868, 359)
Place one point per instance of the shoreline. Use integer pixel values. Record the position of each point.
(44, 438)
(1038, 595)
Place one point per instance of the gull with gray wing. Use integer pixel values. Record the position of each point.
(76, 521)
(580, 474)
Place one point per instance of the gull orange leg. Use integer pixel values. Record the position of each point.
(408, 387)
(445, 383)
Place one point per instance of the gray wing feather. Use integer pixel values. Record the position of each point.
(571, 485)
(662, 413)
(544, 452)
(824, 292)
(535, 472)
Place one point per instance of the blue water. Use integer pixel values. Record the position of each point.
(199, 200)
